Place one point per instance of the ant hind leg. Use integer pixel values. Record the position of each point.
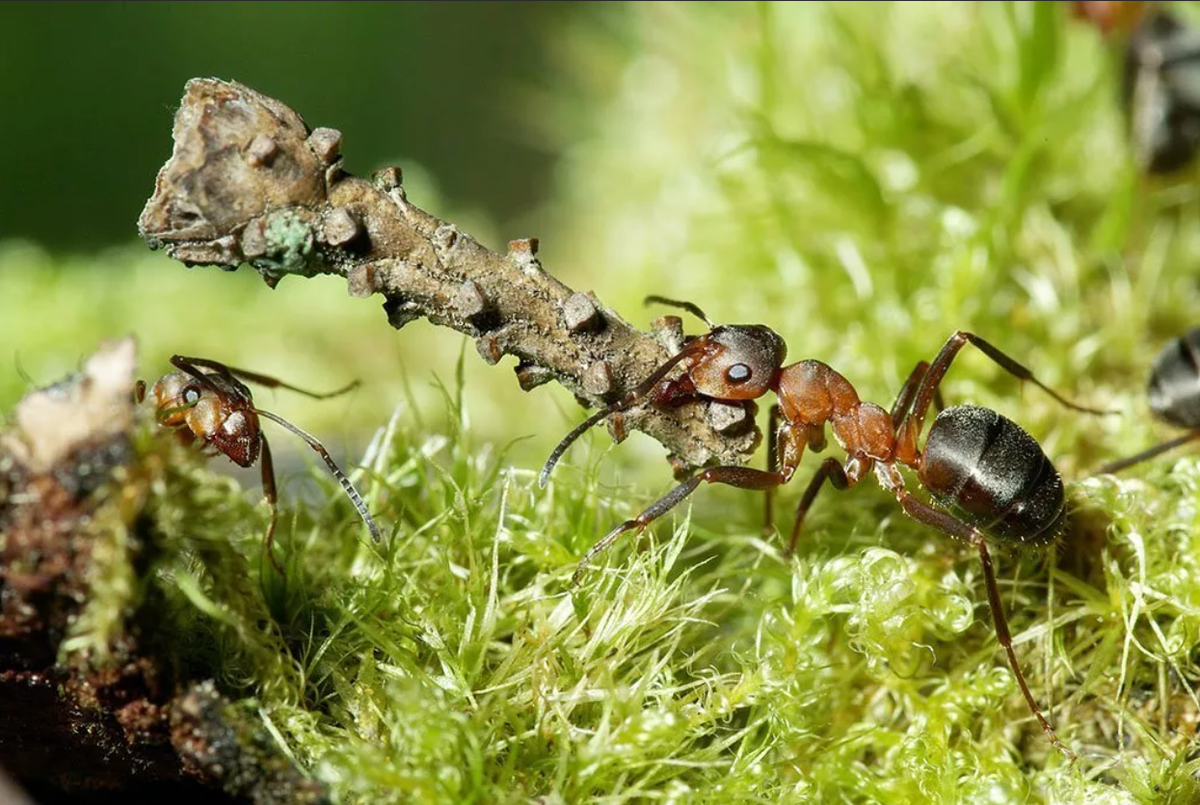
(952, 526)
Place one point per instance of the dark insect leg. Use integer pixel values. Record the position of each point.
(773, 437)
(688, 306)
(908, 391)
(951, 525)
(915, 418)
(254, 377)
(829, 470)
(270, 493)
(1117, 466)
(640, 391)
(351, 492)
(742, 477)
(139, 392)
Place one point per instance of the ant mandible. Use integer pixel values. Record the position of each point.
(975, 462)
(1174, 396)
(217, 409)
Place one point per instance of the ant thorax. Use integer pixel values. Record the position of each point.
(812, 394)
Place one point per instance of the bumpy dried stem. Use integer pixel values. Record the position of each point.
(249, 182)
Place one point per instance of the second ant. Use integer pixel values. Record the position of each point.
(217, 410)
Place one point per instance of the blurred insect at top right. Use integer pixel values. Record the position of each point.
(1160, 80)
(1174, 396)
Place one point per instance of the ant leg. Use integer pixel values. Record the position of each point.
(139, 392)
(269, 492)
(351, 492)
(1117, 466)
(741, 477)
(830, 470)
(773, 437)
(639, 391)
(910, 425)
(908, 391)
(263, 380)
(690, 307)
(948, 524)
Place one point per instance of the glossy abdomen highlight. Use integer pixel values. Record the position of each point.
(994, 475)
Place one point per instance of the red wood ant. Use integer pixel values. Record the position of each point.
(1174, 396)
(975, 462)
(217, 409)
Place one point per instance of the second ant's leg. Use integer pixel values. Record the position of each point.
(1157, 450)
(830, 470)
(948, 524)
(270, 493)
(742, 477)
(773, 437)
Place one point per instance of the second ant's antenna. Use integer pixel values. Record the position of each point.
(351, 492)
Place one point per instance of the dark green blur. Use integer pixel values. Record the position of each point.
(87, 92)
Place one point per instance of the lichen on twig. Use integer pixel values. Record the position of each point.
(249, 182)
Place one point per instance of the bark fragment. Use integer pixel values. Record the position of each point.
(248, 181)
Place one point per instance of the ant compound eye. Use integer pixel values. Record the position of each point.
(191, 395)
(738, 373)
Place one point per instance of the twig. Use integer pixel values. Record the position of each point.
(249, 182)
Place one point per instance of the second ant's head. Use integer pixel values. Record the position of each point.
(219, 412)
(737, 361)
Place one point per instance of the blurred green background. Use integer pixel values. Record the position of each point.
(89, 91)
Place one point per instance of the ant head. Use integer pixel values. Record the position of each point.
(738, 362)
(219, 411)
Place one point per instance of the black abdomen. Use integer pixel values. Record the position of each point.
(1175, 382)
(993, 475)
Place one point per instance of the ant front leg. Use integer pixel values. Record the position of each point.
(773, 436)
(952, 526)
(741, 477)
(270, 493)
